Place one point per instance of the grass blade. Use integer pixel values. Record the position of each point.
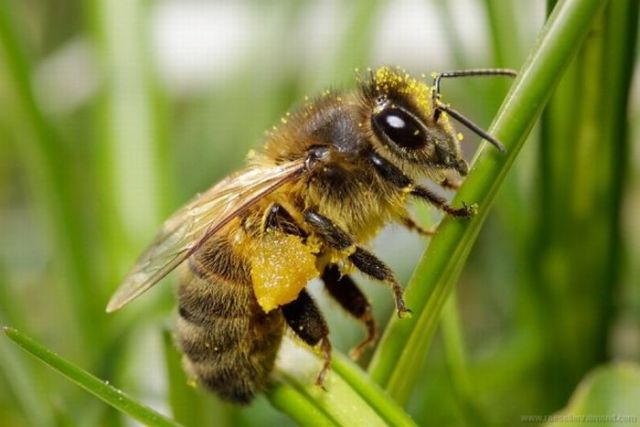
(405, 342)
(608, 396)
(350, 398)
(104, 391)
(370, 392)
(456, 359)
(298, 406)
(21, 379)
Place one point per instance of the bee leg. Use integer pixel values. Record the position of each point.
(305, 319)
(450, 184)
(347, 294)
(277, 217)
(413, 226)
(367, 263)
(362, 259)
(424, 193)
(389, 172)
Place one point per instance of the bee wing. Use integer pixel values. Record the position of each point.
(185, 231)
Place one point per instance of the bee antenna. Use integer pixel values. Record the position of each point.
(471, 126)
(471, 73)
(439, 106)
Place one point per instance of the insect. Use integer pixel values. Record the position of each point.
(328, 179)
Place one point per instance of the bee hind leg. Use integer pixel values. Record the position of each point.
(362, 259)
(306, 321)
(347, 294)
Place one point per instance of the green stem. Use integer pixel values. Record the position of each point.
(101, 389)
(404, 343)
(22, 380)
(456, 359)
(370, 392)
(350, 398)
(298, 406)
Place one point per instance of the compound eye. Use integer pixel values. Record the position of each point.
(401, 128)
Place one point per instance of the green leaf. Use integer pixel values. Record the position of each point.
(21, 379)
(400, 355)
(457, 365)
(350, 398)
(608, 396)
(298, 406)
(371, 392)
(101, 389)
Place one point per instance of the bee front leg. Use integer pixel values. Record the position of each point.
(305, 319)
(389, 172)
(413, 226)
(347, 294)
(362, 259)
(465, 211)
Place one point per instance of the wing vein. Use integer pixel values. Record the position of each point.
(191, 226)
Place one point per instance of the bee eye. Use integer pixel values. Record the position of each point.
(401, 128)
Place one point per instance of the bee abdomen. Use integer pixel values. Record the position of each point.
(228, 342)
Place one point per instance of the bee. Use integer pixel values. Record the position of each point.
(329, 177)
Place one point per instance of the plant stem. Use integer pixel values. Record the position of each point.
(101, 389)
(23, 381)
(370, 392)
(397, 361)
(456, 359)
(350, 398)
(298, 406)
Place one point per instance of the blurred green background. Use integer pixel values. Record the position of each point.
(115, 112)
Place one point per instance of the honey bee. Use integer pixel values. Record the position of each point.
(327, 180)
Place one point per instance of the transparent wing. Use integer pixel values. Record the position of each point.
(196, 222)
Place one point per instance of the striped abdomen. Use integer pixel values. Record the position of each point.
(229, 343)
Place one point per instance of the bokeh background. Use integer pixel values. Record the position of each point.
(115, 112)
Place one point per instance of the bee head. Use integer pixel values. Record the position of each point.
(405, 123)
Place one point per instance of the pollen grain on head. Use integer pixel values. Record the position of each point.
(388, 80)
